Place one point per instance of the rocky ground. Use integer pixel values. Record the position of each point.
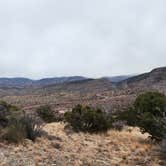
(59, 147)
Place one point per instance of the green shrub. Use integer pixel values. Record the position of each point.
(20, 128)
(148, 113)
(47, 114)
(7, 112)
(15, 132)
(88, 119)
(129, 115)
(153, 102)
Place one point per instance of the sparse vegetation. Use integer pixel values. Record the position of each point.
(16, 125)
(88, 119)
(120, 146)
(15, 132)
(23, 127)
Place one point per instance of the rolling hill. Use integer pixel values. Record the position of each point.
(156, 79)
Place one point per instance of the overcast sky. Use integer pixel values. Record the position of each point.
(47, 38)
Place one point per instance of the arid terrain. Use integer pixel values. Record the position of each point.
(65, 148)
(61, 147)
(82, 83)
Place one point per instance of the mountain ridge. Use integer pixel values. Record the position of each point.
(156, 74)
(24, 82)
(154, 80)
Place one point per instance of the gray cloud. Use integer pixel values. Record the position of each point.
(92, 37)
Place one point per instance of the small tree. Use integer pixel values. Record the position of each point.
(148, 113)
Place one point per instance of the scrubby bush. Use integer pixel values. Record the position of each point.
(148, 113)
(15, 125)
(152, 102)
(33, 126)
(47, 114)
(8, 111)
(15, 132)
(88, 119)
(24, 127)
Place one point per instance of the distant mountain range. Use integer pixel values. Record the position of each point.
(20, 82)
(25, 82)
(154, 80)
(64, 93)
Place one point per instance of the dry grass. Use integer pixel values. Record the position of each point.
(65, 148)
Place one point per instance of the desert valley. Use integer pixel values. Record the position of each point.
(60, 146)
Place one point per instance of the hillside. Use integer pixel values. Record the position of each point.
(156, 79)
(156, 75)
(64, 148)
(69, 85)
(82, 86)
